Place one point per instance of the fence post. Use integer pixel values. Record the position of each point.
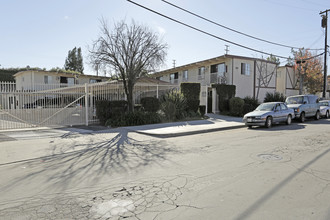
(86, 103)
(157, 91)
(206, 101)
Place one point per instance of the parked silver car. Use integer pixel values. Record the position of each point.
(269, 113)
(325, 108)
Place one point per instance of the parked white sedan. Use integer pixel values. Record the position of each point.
(325, 108)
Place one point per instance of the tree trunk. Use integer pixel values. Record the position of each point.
(130, 97)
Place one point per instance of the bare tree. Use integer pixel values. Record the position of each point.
(130, 51)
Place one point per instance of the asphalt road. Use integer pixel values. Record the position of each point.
(277, 173)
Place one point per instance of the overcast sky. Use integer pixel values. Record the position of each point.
(39, 33)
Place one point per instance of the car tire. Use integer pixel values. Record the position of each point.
(269, 122)
(302, 117)
(327, 114)
(317, 115)
(289, 120)
(250, 126)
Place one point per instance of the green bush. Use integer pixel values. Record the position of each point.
(225, 92)
(102, 110)
(250, 104)
(236, 106)
(150, 104)
(192, 105)
(202, 109)
(134, 118)
(191, 92)
(274, 97)
(118, 107)
(173, 102)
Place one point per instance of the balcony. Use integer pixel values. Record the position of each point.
(216, 78)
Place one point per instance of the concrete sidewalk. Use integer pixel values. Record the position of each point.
(175, 129)
(213, 123)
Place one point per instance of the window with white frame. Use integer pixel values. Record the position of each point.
(220, 69)
(184, 75)
(201, 72)
(174, 77)
(245, 69)
(47, 79)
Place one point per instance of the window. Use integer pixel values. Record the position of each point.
(185, 75)
(283, 107)
(47, 79)
(201, 72)
(94, 80)
(174, 77)
(67, 80)
(245, 69)
(220, 69)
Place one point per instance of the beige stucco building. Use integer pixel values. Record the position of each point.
(287, 80)
(39, 79)
(252, 77)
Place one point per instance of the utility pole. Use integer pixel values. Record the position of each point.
(174, 63)
(325, 25)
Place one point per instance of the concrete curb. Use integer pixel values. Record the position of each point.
(168, 135)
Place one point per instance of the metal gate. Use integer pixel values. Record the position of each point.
(63, 105)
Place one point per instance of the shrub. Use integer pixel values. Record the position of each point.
(274, 97)
(192, 105)
(150, 104)
(102, 110)
(225, 92)
(202, 109)
(134, 118)
(191, 92)
(250, 104)
(108, 109)
(118, 107)
(236, 106)
(177, 106)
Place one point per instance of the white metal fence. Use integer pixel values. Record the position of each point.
(62, 105)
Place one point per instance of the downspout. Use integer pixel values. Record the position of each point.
(232, 71)
(254, 79)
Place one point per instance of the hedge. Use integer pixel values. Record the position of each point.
(225, 92)
(191, 92)
(150, 104)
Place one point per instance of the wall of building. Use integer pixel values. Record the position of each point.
(244, 83)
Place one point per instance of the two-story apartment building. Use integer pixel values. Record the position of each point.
(252, 76)
(39, 79)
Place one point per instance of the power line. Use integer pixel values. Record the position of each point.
(204, 32)
(223, 26)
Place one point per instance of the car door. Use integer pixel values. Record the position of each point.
(284, 112)
(277, 113)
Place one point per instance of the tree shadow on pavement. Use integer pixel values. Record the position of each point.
(121, 154)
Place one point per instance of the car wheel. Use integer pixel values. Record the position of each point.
(327, 114)
(250, 126)
(302, 117)
(289, 120)
(269, 122)
(317, 115)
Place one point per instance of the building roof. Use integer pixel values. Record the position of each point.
(61, 74)
(208, 61)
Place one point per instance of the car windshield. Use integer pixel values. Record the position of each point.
(324, 103)
(265, 107)
(295, 100)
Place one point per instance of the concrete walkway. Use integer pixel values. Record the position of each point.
(174, 129)
(213, 123)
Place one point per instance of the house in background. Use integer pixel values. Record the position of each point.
(40, 80)
(287, 80)
(252, 76)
